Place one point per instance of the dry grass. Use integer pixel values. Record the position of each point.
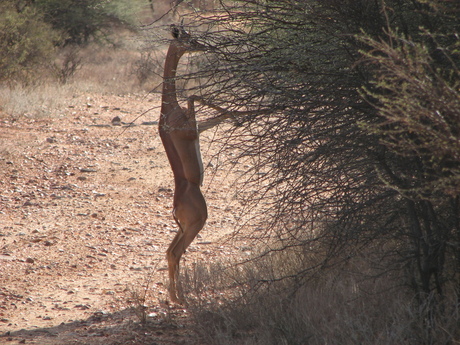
(39, 101)
(101, 70)
(115, 71)
(239, 305)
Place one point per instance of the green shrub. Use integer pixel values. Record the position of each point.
(415, 88)
(83, 20)
(25, 42)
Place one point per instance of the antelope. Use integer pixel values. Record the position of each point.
(179, 132)
(179, 135)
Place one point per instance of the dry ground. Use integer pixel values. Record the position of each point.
(85, 219)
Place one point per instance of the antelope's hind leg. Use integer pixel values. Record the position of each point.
(173, 267)
(190, 214)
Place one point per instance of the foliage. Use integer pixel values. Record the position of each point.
(419, 106)
(25, 41)
(417, 94)
(32, 32)
(81, 20)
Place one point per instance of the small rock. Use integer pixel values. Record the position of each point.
(83, 306)
(116, 121)
(87, 170)
(30, 260)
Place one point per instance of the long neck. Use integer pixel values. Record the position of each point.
(169, 78)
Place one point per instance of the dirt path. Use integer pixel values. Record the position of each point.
(85, 219)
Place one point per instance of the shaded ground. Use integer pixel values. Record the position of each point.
(85, 219)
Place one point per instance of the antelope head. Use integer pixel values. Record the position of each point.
(184, 41)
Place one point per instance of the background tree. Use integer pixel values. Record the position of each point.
(83, 20)
(25, 41)
(416, 93)
(33, 32)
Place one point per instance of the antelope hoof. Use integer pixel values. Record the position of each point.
(174, 299)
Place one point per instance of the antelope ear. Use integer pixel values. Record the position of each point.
(175, 31)
(182, 28)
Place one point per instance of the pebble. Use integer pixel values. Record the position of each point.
(87, 170)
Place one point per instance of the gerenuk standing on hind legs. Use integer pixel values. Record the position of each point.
(179, 134)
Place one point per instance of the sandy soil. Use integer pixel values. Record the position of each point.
(85, 219)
